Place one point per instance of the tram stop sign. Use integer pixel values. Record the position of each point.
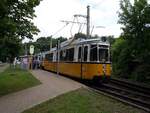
(31, 49)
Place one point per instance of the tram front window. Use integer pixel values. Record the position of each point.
(99, 53)
(93, 53)
(103, 55)
(85, 53)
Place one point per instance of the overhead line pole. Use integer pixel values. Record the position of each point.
(58, 56)
(88, 21)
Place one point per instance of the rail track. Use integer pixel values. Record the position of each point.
(130, 93)
(124, 91)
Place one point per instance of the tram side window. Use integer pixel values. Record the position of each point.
(103, 55)
(66, 56)
(49, 57)
(70, 54)
(93, 53)
(85, 53)
(79, 54)
(61, 56)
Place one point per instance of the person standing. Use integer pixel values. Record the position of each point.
(14, 62)
(25, 63)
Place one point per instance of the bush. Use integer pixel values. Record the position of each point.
(121, 59)
(142, 73)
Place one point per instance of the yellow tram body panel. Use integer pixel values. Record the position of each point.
(91, 70)
(73, 69)
(51, 66)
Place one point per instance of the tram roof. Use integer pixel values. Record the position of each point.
(96, 40)
(71, 42)
(84, 41)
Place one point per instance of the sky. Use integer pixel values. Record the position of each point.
(50, 13)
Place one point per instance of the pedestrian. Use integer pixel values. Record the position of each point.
(21, 63)
(25, 63)
(35, 63)
(14, 62)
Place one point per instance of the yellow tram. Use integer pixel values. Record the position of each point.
(81, 58)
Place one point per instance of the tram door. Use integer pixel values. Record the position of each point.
(80, 55)
(84, 61)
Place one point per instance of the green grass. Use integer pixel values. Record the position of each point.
(12, 80)
(83, 101)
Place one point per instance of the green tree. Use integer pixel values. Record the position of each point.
(43, 43)
(111, 39)
(16, 24)
(9, 49)
(136, 52)
(121, 58)
(80, 35)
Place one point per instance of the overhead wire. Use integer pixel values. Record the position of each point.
(60, 29)
(80, 25)
(72, 27)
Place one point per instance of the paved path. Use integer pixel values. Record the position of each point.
(3, 67)
(52, 86)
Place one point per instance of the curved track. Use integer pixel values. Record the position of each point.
(133, 94)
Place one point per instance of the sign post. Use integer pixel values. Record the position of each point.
(31, 57)
(31, 49)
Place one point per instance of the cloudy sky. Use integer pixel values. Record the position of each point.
(51, 12)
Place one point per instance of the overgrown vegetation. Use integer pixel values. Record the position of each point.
(131, 52)
(83, 101)
(15, 25)
(12, 80)
(42, 44)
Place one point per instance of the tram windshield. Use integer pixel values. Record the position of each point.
(99, 53)
(103, 55)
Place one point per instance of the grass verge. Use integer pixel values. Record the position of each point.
(83, 101)
(12, 80)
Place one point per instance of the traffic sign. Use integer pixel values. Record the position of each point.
(31, 49)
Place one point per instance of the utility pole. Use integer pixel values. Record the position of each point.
(51, 43)
(58, 56)
(88, 21)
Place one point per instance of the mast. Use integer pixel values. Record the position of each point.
(88, 21)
